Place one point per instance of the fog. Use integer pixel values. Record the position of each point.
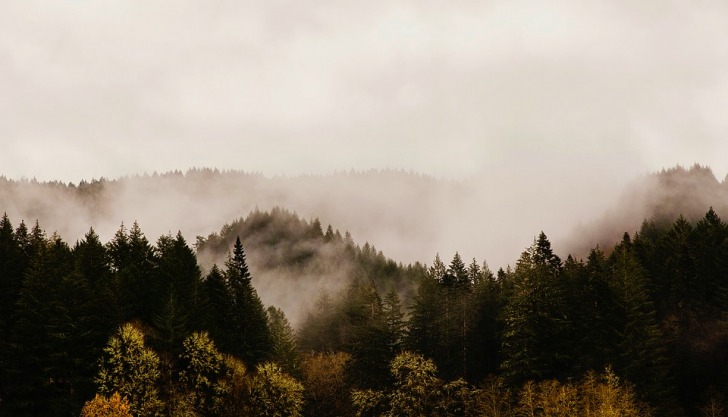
(522, 116)
(451, 89)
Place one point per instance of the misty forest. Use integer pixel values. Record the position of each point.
(630, 320)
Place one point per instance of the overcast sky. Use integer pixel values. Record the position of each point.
(456, 88)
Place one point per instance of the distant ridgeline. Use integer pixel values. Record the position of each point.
(280, 243)
(660, 197)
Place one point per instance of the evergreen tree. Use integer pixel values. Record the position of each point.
(642, 352)
(423, 333)
(535, 326)
(592, 310)
(285, 347)
(134, 264)
(12, 268)
(369, 335)
(322, 331)
(394, 320)
(42, 354)
(219, 304)
(484, 345)
(249, 335)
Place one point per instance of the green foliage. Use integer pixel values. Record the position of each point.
(274, 393)
(131, 369)
(535, 322)
(285, 347)
(202, 367)
(415, 390)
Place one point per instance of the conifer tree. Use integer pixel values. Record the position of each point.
(484, 345)
(642, 352)
(369, 335)
(249, 335)
(535, 324)
(38, 359)
(134, 264)
(12, 268)
(285, 347)
(394, 320)
(423, 332)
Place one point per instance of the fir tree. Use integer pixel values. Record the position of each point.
(249, 335)
(285, 346)
(642, 351)
(535, 324)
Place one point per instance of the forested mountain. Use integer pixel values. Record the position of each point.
(661, 197)
(637, 326)
(408, 216)
(295, 259)
(386, 207)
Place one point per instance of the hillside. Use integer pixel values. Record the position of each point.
(294, 260)
(661, 197)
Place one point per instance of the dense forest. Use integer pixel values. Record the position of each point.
(639, 328)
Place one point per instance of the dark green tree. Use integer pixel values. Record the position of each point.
(394, 320)
(535, 324)
(48, 344)
(369, 335)
(642, 351)
(249, 337)
(285, 346)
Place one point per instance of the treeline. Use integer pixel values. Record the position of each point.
(137, 326)
(60, 305)
(653, 309)
(289, 250)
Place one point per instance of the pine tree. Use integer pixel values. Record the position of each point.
(12, 268)
(249, 335)
(535, 325)
(219, 304)
(642, 352)
(369, 335)
(285, 346)
(423, 333)
(484, 345)
(394, 319)
(40, 360)
(134, 264)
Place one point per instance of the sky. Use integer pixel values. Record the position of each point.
(511, 90)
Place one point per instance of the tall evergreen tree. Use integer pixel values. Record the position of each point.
(48, 342)
(369, 335)
(12, 268)
(134, 264)
(535, 324)
(219, 304)
(249, 335)
(642, 350)
(285, 346)
(394, 320)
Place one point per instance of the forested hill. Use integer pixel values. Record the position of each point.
(409, 217)
(295, 260)
(386, 207)
(660, 197)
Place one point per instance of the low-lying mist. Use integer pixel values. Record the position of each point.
(409, 217)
